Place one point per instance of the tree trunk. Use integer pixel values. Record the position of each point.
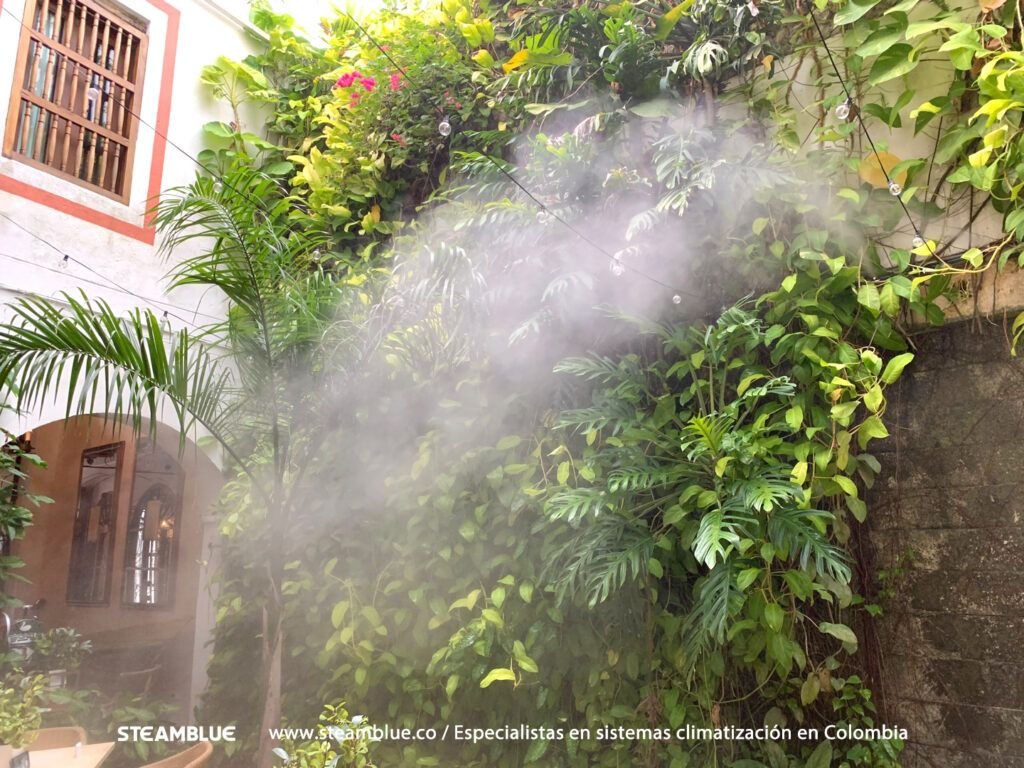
(272, 641)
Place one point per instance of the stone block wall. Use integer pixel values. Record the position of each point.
(947, 514)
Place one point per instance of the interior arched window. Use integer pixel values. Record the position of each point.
(153, 530)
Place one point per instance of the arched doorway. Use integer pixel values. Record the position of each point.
(123, 554)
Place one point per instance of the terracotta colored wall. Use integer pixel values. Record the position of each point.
(46, 550)
(47, 547)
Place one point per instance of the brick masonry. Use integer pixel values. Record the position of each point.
(951, 493)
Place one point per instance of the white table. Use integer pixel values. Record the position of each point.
(90, 756)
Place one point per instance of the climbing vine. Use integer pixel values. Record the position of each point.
(639, 513)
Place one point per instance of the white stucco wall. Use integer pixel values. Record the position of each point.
(207, 29)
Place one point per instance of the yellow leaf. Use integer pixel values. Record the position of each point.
(766, 62)
(997, 138)
(871, 170)
(926, 107)
(375, 213)
(483, 58)
(979, 158)
(926, 249)
(516, 61)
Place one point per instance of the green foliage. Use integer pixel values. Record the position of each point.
(59, 648)
(16, 459)
(674, 505)
(707, 470)
(693, 497)
(344, 743)
(20, 711)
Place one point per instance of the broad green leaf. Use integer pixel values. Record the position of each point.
(853, 10)
(338, 614)
(888, 300)
(898, 60)
(508, 442)
(774, 617)
(795, 417)
(919, 28)
(452, 685)
(846, 484)
(874, 398)
(656, 108)
(842, 412)
(895, 367)
(974, 256)
(858, 508)
(821, 757)
(536, 751)
(880, 41)
(498, 596)
(492, 616)
(526, 591)
(867, 296)
(839, 631)
(484, 58)
(219, 129)
(871, 428)
(810, 689)
(747, 577)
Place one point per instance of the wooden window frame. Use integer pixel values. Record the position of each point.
(80, 61)
(167, 602)
(119, 449)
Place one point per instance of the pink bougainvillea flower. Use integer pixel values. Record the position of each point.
(368, 83)
(400, 139)
(346, 80)
(396, 82)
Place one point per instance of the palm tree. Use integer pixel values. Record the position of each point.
(235, 381)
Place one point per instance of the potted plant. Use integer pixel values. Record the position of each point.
(20, 715)
(58, 653)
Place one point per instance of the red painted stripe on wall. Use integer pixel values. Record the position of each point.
(163, 113)
(79, 211)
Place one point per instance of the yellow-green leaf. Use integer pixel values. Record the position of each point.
(501, 673)
(895, 367)
(666, 23)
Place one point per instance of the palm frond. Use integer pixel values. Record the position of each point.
(703, 436)
(608, 553)
(121, 365)
(612, 414)
(716, 600)
(593, 368)
(573, 504)
(647, 477)
(249, 250)
(798, 533)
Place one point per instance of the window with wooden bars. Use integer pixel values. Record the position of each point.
(151, 541)
(77, 84)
